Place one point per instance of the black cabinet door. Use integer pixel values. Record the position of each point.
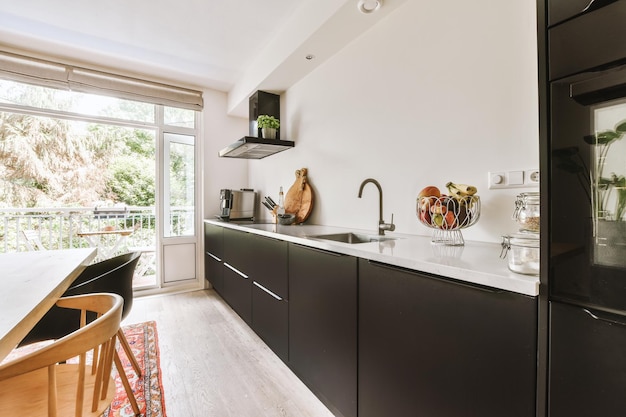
(238, 292)
(269, 292)
(270, 319)
(255, 285)
(239, 250)
(261, 258)
(587, 362)
(213, 240)
(269, 258)
(323, 324)
(213, 254)
(237, 284)
(434, 347)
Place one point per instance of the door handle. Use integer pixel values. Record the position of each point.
(595, 5)
(608, 86)
(596, 315)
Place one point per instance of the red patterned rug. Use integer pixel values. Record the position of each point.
(148, 390)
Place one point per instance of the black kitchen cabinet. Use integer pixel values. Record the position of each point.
(587, 362)
(213, 255)
(270, 315)
(269, 293)
(436, 347)
(323, 325)
(255, 285)
(269, 263)
(237, 285)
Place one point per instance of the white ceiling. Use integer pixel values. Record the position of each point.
(237, 46)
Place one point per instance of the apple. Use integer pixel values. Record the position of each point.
(449, 220)
(430, 191)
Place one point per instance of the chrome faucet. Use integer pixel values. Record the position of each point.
(382, 226)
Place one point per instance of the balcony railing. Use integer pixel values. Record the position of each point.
(62, 228)
(57, 228)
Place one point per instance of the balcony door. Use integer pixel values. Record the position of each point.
(179, 243)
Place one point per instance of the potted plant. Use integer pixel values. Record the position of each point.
(268, 126)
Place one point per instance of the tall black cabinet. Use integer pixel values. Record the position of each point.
(582, 80)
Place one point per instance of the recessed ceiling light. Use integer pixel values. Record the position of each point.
(369, 6)
(310, 57)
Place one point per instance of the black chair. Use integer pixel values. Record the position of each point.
(114, 275)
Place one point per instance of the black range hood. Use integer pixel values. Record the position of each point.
(254, 146)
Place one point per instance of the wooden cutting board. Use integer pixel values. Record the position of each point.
(299, 198)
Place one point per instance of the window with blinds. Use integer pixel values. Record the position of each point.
(67, 77)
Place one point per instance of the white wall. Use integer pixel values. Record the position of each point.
(220, 130)
(436, 92)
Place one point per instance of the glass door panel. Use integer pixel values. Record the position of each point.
(179, 246)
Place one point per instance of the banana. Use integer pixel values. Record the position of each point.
(461, 190)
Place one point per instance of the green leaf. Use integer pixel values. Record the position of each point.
(602, 138)
(621, 126)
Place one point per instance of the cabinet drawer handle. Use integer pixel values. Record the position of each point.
(267, 291)
(601, 88)
(232, 268)
(598, 316)
(214, 257)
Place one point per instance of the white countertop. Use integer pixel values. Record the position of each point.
(476, 262)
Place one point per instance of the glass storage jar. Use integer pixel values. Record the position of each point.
(527, 212)
(522, 252)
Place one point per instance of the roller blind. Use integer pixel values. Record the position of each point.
(51, 74)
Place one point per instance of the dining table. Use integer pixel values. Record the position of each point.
(98, 239)
(30, 284)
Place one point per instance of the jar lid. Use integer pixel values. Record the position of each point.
(531, 197)
(522, 239)
(527, 240)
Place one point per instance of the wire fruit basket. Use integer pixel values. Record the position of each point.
(447, 216)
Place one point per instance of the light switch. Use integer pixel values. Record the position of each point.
(516, 178)
(513, 179)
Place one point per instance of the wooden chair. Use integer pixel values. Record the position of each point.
(32, 240)
(114, 275)
(46, 383)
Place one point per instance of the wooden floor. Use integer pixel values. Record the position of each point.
(214, 365)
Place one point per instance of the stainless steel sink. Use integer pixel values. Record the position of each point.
(352, 238)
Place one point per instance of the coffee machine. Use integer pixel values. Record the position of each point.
(237, 204)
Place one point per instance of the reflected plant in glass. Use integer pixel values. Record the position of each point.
(604, 185)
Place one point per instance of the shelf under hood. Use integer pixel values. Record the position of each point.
(250, 147)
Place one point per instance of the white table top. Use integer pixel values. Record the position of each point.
(476, 262)
(30, 283)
